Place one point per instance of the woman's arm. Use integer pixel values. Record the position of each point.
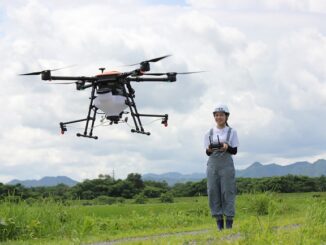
(232, 150)
(209, 152)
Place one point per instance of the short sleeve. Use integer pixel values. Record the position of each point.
(234, 141)
(206, 140)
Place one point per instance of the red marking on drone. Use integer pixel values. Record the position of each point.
(109, 73)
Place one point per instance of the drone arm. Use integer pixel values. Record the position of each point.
(171, 78)
(164, 117)
(69, 78)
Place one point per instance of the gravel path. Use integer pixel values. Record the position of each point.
(230, 237)
(144, 238)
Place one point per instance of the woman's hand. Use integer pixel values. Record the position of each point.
(209, 150)
(225, 147)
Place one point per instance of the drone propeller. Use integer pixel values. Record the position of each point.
(40, 72)
(64, 83)
(172, 73)
(151, 60)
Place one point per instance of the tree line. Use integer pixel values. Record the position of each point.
(134, 187)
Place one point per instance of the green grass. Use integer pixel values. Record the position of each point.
(267, 218)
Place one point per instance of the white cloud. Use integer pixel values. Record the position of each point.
(271, 74)
(318, 6)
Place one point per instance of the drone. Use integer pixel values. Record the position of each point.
(112, 94)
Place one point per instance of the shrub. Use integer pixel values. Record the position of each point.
(140, 198)
(259, 203)
(167, 198)
(120, 200)
(9, 229)
(152, 191)
(102, 200)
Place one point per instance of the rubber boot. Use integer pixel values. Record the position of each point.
(228, 223)
(220, 223)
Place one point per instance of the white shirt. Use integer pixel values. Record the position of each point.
(222, 134)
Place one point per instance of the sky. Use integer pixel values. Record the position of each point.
(265, 59)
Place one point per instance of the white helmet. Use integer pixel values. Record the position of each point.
(222, 108)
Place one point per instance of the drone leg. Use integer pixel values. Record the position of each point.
(89, 111)
(129, 103)
(87, 119)
(129, 93)
(94, 118)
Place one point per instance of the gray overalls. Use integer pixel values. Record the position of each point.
(221, 182)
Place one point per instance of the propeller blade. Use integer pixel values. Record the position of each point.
(62, 83)
(159, 58)
(190, 72)
(61, 68)
(32, 73)
(151, 60)
(40, 72)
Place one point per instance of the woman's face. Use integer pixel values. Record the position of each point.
(220, 118)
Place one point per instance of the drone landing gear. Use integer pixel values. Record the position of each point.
(86, 136)
(90, 120)
(140, 132)
(129, 92)
(137, 116)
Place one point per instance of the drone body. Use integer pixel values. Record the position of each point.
(110, 96)
(112, 93)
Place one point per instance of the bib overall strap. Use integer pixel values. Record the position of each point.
(228, 136)
(211, 133)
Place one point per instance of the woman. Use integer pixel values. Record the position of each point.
(221, 143)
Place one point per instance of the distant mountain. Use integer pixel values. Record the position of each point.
(173, 177)
(45, 181)
(256, 170)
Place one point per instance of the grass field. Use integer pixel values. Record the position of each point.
(267, 218)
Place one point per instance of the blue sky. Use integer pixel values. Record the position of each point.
(265, 60)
